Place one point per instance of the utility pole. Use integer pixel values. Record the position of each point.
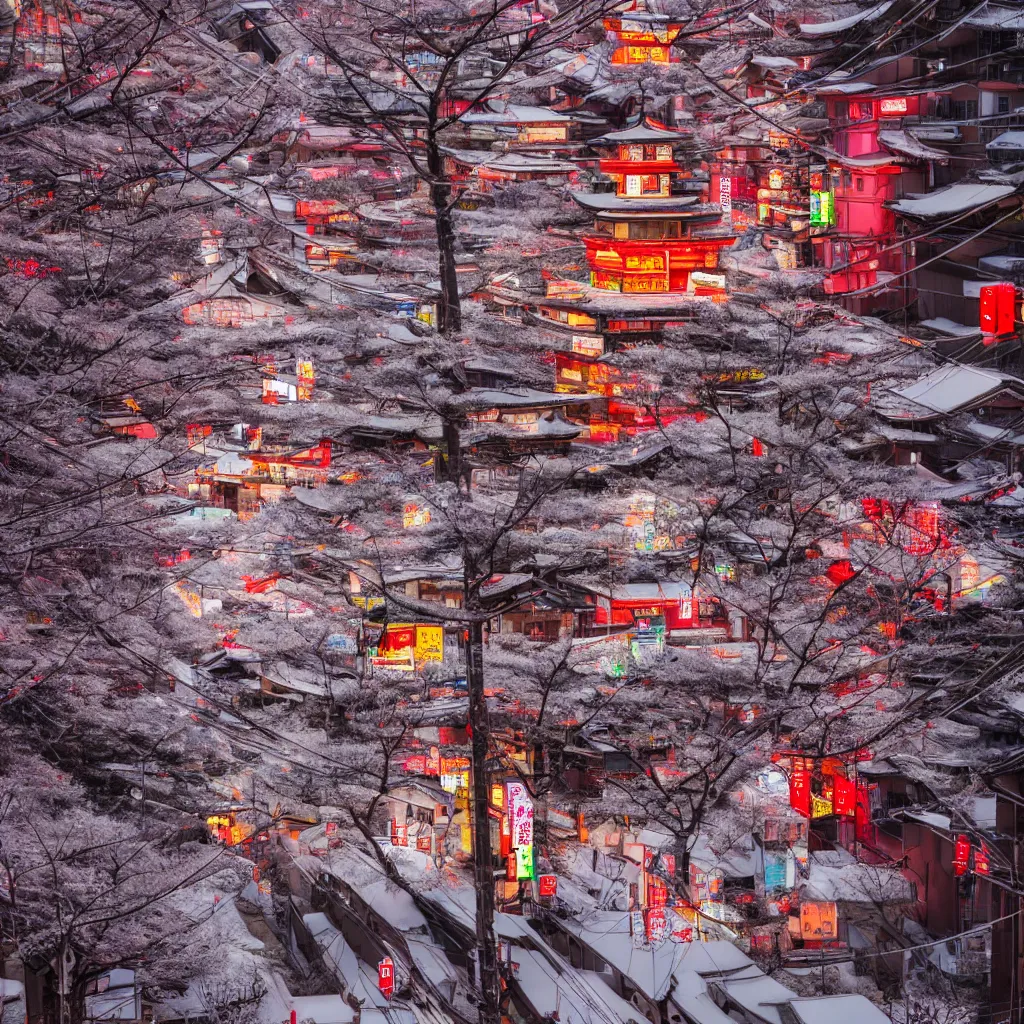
(480, 824)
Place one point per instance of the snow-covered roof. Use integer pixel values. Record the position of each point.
(999, 262)
(930, 818)
(996, 16)
(652, 592)
(829, 28)
(299, 680)
(435, 968)
(690, 992)
(758, 995)
(608, 202)
(576, 999)
(330, 1009)
(844, 88)
(995, 433)
(842, 1009)
(1008, 140)
(949, 388)
(390, 902)
(952, 200)
(652, 970)
(10, 990)
(519, 398)
(536, 162)
(513, 113)
(656, 304)
(232, 465)
(908, 145)
(643, 132)
(879, 158)
(740, 860)
(341, 960)
(774, 63)
(938, 131)
(945, 326)
(835, 876)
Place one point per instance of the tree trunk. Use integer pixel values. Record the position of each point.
(481, 825)
(449, 311)
(450, 468)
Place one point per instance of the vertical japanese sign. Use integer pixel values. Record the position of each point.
(520, 814)
(725, 198)
(800, 787)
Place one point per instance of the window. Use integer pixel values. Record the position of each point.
(995, 42)
(1003, 105)
(655, 229)
(964, 110)
(650, 184)
(860, 183)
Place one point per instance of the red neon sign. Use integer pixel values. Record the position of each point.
(981, 861)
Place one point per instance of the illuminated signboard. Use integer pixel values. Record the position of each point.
(725, 197)
(646, 262)
(520, 812)
(896, 105)
(588, 344)
(823, 209)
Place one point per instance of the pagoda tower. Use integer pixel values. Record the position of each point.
(641, 36)
(651, 232)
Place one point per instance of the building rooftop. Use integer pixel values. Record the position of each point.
(642, 132)
(830, 28)
(608, 202)
(954, 199)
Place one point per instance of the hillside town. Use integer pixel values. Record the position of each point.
(511, 512)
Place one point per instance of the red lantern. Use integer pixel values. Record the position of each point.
(386, 977)
(961, 855)
(548, 885)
